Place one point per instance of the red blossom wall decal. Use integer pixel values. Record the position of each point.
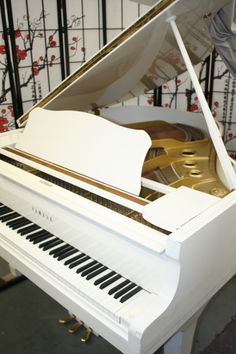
(24, 46)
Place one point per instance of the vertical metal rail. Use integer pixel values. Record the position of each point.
(104, 22)
(61, 42)
(207, 79)
(99, 25)
(31, 52)
(82, 19)
(19, 109)
(211, 75)
(9, 63)
(45, 43)
(122, 14)
(157, 94)
(66, 41)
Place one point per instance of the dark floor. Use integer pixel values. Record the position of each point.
(28, 325)
(225, 343)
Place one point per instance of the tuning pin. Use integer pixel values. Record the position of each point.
(86, 335)
(66, 319)
(74, 328)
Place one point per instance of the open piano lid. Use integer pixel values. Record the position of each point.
(141, 58)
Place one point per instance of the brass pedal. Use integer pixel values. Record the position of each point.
(74, 328)
(66, 319)
(86, 335)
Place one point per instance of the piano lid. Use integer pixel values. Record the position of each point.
(140, 58)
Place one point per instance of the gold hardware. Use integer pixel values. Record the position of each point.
(74, 328)
(86, 335)
(195, 173)
(188, 152)
(66, 319)
(190, 163)
(218, 192)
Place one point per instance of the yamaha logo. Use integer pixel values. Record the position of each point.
(42, 214)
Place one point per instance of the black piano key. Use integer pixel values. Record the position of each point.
(118, 287)
(63, 251)
(26, 230)
(124, 290)
(53, 244)
(58, 249)
(109, 281)
(49, 244)
(7, 212)
(34, 235)
(67, 254)
(14, 222)
(86, 266)
(104, 277)
(71, 260)
(81, 260)
(56, 243)
(91, 269)
(18, 225)
(41, 238)
(9, 223)
(97, 272)
(21, 224)
(130, 294)
(44, 244)
(4, 210)
(8, 217)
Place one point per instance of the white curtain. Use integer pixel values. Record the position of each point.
(223, 32)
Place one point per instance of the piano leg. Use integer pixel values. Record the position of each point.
(182, 341)
(11, 276)
(14, 272)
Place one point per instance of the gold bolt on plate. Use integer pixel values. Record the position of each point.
(218, 192)
(86, 335)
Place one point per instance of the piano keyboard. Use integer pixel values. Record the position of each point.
(73, 259)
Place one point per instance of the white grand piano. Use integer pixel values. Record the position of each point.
(133, 257)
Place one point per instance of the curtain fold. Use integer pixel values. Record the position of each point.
(223, 33)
